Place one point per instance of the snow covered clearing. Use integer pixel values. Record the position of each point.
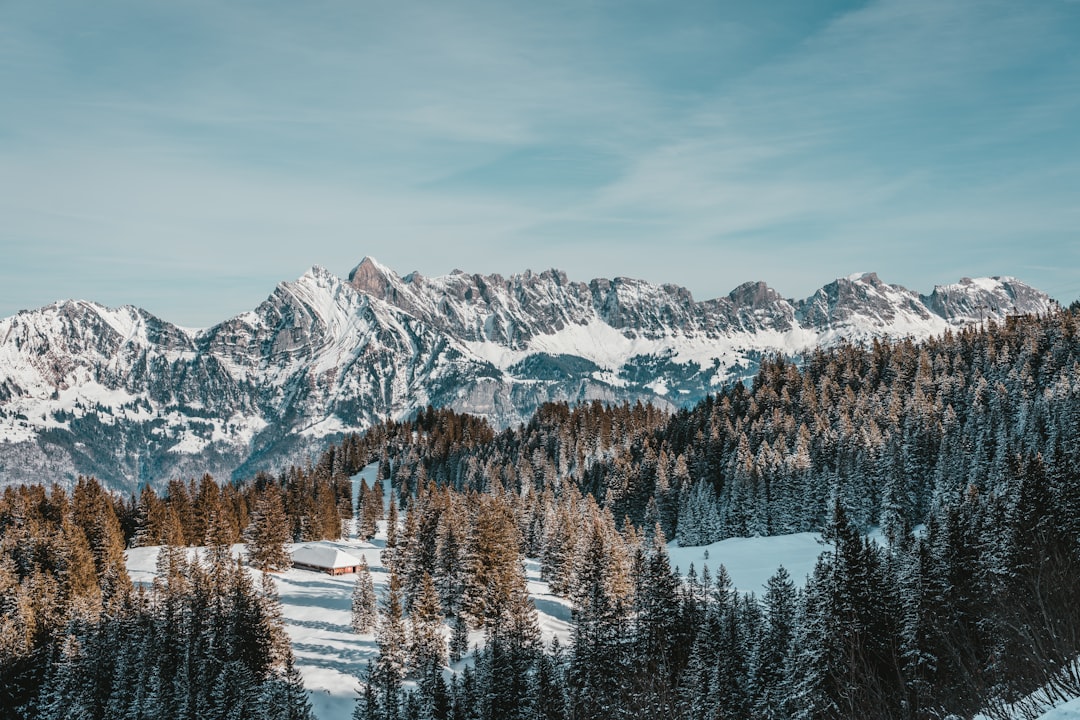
(752, 561)
(332, 658)
(316, 607)
(1068, 711)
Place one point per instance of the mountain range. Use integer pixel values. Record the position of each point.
(130, 398)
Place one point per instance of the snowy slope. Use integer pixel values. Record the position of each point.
(131, 398)
(332, 658)
(1055, 708)
(317, 610)
(752, 561)
(1068, 711)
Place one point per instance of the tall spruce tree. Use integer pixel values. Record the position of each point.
(773, 669)
(427, 644)
(392, 663)
(268, 533)
(658, 610)
(364, 611)
(598, 667)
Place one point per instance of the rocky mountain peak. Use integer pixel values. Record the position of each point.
(867, 278)
(976, 299)
(372, 278)
(130, 398)
(754, 294)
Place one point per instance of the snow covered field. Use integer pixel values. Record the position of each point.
(317, 610)
(332, 658)
(752, 561)
(1068, 711)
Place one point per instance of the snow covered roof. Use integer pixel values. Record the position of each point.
(324, 556)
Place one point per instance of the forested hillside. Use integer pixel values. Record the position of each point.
(963, 449)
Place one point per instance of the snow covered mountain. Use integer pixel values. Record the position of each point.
(129, 397)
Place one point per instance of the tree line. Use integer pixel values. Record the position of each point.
(79, 640)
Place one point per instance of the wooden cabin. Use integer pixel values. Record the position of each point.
(320, 557)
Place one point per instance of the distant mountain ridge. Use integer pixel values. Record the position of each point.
(131, 398)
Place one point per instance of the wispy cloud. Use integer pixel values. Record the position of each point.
(704, 144)
(888, 138)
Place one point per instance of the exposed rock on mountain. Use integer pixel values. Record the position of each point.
(131, 398)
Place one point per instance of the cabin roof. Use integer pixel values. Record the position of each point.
(324, 556)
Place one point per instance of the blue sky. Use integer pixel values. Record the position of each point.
(187, 156)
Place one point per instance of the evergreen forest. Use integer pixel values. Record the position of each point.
(964, 450)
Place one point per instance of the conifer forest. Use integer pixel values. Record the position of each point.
(963, 450)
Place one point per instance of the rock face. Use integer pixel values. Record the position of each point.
(130, 398)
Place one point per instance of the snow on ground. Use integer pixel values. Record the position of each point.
(316, 608)
(332, 658)
(1043, 698)
(317, 611)
(752, 561)
(1068, 711)
(553, 611)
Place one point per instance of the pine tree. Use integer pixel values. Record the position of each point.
(75, 568)
(699, 518)
(391, 554)
(364, 613)
(427, 646)
(328, 514)
(268, 533)
(285, 698)
(63, 695)
(729, 681)
(433, 695)
(848, 656)
(92, 510)
(696, 679)
(597, 667)
(367, 704)
(467, 694)
(494, 562)
(818, 657)
(151, 513)
(392, 663)
(449, 559)
(459, 636)
(277, 644)
(234, 693)
(371, 509)
(658, 607)
(773, 668)
(549, 688)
